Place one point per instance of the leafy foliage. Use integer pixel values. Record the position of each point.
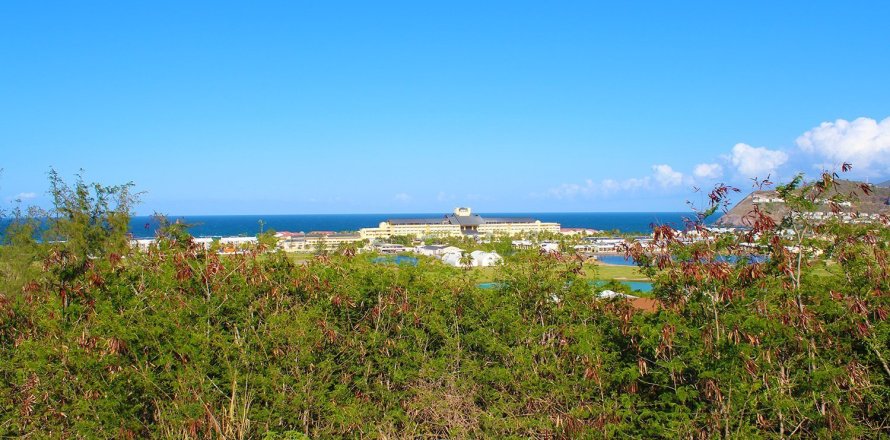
(183, 342)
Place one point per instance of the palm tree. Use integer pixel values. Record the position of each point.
(466, 260)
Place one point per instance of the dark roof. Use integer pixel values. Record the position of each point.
(344, 235)
(451, 219)
(469, 220)
(496, 220)
(418, 221)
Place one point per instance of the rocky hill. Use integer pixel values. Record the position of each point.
(878, 202)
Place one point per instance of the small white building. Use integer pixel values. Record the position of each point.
(523, 244)
(236, 245)
(204, 242)
(549, 246)
(315, 241)
(485, 259)
(571, 232)
(143, 244)
(766, 197)
(585, 248)
(390, 248)
(606, 244)
(453, 259)
(477, 259)
(238, 241)
(609, 294)
(436, 250)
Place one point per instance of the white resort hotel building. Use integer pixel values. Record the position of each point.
(461, 222)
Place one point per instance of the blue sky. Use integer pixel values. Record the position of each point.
(387, 107)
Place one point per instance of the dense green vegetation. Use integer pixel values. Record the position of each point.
(101, 341)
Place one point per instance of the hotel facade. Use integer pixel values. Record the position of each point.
(461, 222)
(312, 242)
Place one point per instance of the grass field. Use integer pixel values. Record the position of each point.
(596, 271)
(299, 257)
(608, 272)
(592, 272)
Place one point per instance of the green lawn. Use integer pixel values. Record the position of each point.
(591, 272)
(597, 271)
(608, 272)
(300, 257)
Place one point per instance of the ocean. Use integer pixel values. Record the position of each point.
(235, 225)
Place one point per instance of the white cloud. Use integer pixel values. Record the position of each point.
(864, 142)
(756, 161)
(402, 197)
(610, 186)
(571, 190)
(25, 196)
(663, 175)
(708, 171)
(666, 176)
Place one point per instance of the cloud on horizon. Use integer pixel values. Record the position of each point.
(24, 196)
(663, 176)
(402, 197)
(863, 142)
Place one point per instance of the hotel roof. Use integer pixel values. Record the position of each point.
(495, 220)
(460, 220)
(418, 221)
(466, 220)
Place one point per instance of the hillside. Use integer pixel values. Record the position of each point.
(99, 339)
(769, 201)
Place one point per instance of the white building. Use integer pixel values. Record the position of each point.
(549, 246)
(764, 197)
(452, 259)
(313, 242)
(485, 259)
(477, 259)
(609, 294)
(436, 250)
(606, 244)
(523, 244)
(571, 232)
(204, 242)
(238, 240)
(236, 245)
(585, 248)
(143, 244)
(461, 222)
(390, 248)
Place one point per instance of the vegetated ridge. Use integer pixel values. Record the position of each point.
(876, 202)
(102, 339)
